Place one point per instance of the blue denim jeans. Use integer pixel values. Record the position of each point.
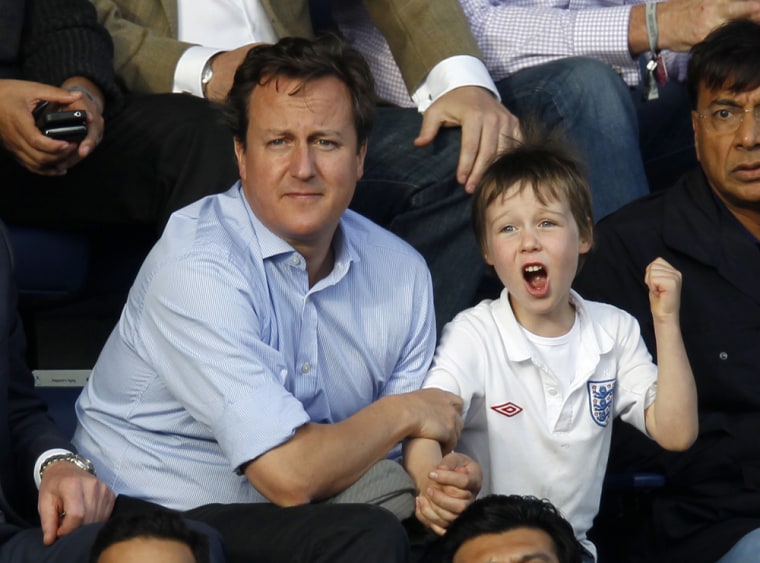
(413, 192)
(745, 550)
(602, 117)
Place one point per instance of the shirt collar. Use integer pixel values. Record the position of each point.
(272, 245)
(596, 340)
(724, 211)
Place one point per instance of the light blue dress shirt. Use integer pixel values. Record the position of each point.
(222, 350)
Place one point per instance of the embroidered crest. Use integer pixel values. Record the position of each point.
(508, 409)
(600, 397)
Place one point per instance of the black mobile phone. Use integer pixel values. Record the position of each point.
(63, 125)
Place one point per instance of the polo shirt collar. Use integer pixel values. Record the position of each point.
(596, 340)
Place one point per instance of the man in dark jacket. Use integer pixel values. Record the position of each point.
(31, 448)
(143, 157)
(707, 226)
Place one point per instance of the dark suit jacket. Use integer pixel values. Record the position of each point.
(25, 429)
(49, 41)
(712, 496)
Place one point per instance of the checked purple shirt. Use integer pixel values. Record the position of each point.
(518, 34)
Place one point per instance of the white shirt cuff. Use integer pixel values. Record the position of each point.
(187, 75)
(451, 73)
(41, 460)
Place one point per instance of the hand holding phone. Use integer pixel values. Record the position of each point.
(68, 126)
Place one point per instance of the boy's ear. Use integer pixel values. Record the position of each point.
(584, 247)
(587, 242)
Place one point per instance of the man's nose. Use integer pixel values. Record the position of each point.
(302, 161)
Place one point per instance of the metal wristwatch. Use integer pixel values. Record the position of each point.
(206, 75)
(81, 462)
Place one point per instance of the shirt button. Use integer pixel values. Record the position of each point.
(296, 261)
(306, 368)
(723, 356)
(552, 391)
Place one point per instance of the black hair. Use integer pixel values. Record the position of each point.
(305, 60)
(159, 524)
(495, 514)
(726, 59)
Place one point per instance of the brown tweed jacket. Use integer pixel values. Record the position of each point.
(420, 33)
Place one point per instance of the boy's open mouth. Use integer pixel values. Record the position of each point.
(535, 276)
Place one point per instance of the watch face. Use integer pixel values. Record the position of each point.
(207, 73)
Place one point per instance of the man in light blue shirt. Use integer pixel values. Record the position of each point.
(273, 343)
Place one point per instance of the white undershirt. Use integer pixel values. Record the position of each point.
(217, 25)
(559, 353)
(223, 25)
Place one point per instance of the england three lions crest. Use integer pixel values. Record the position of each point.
(601, 395)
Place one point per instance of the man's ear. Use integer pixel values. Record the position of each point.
(360, 160)
(240, 156)
(694, 123)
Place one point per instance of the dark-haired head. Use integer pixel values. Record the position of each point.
(158, 524)
(304, 60)
(727, 59)
(496, 514)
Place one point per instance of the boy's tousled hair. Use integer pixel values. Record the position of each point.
(727, 58)
(305, 60)
(496, 514)
(543, 162)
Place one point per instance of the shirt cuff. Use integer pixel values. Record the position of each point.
(187, 75)
(40, 460)
(453, 72)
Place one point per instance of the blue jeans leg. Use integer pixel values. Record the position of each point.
(745, 550)
(413, 192)
(587, 100)
(666, 135)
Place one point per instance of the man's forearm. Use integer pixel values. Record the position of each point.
(322, 460)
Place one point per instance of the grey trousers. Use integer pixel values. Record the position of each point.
(386, 484)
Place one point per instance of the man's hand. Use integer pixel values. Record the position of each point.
(683, 23)
(21, 137)
(438, 414)
(95, 123)
(451, 487)
(224, 65)
(488, 128)
(72, 492)
(664, 283)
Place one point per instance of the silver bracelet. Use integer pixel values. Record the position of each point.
(75, 459)
(652, 32)
(87, 93)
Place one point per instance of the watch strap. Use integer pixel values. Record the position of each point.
(75, 459)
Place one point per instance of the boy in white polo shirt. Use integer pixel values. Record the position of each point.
(541, 371)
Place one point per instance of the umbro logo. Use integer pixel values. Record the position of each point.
(508, 409)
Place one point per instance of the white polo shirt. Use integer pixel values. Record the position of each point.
(529, 436)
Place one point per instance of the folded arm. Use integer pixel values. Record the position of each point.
(323, 459)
